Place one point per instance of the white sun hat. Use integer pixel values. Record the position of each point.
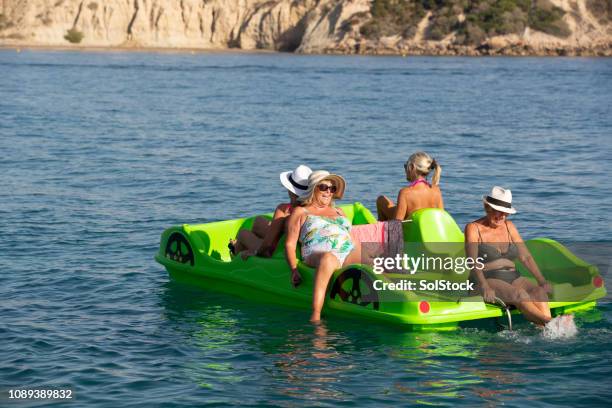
(500, 199)
(296, 181)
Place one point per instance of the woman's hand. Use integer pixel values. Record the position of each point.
(547, 287)
(296, 278)
(293, 230)
(488, 294)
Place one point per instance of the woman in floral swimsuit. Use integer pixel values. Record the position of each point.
(325, 234)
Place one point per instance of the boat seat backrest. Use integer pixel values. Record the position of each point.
(435, 230)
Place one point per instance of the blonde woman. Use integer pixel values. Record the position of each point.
(324, 232)
(418, 194)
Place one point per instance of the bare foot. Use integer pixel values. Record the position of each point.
(232, 246)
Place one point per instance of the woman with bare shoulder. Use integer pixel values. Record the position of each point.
(418, 194)
(496, 241)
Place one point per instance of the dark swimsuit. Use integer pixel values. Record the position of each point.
(490, 253)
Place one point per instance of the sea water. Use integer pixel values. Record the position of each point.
(102, 151)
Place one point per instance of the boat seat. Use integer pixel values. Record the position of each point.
(434, 231)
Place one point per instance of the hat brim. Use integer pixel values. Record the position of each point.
(499, 208)
(284, 179)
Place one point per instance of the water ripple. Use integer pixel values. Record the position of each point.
(104, 151)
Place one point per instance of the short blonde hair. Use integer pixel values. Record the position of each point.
(421, 164)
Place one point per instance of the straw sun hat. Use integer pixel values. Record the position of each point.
(318, 176)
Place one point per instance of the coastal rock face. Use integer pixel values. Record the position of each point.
(246, 24)
(305, 26)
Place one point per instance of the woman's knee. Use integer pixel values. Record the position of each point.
(328, 262)
(260, 225)
(383, 201)
(243, 235)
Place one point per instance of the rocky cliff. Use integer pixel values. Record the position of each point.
(316, 26)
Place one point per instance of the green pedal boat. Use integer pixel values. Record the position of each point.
(199, 255)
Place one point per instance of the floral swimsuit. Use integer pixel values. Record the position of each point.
(321, 234)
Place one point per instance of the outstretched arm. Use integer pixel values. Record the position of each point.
(526, 258)
(294, 223)
(439, 201)
(402, 206)
(471, 251)
(274, 232)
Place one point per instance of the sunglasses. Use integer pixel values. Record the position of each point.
(325, 187)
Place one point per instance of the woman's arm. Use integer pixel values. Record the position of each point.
(402, 206)
(440, 201)
(272, 237)
(526, 258)
(274, 233)
(471, 251)
(294, 223)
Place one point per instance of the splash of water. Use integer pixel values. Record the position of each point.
(561, 327)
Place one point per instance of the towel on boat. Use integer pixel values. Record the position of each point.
(385, 238)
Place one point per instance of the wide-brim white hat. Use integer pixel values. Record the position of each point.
(500, 199)
(296, 181)
(318, 176)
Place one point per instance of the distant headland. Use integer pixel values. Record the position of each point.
(371, 27)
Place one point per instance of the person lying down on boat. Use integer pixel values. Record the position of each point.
(262, 239)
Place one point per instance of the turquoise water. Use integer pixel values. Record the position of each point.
(102, 151)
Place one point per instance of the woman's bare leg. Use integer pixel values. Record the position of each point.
(250, 240)
(261, 226)
(536, 294)
(327, 264)
(520, 298)
(247, 240)
(385, 208)
(355, 257)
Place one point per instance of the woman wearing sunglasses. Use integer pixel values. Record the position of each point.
(324, 232)
(418, 194)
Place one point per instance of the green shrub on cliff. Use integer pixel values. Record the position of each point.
(393, 17)
(546, 17)
(445, 20)
(471, 20)
(74, 36)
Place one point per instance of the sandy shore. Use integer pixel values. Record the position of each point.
(450, 51)
(169, 50)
